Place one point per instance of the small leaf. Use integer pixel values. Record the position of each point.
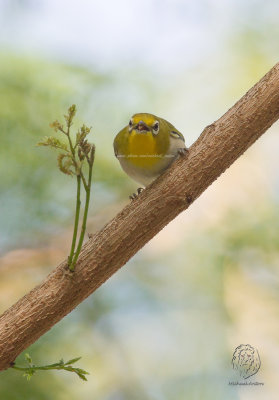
(29, 373)
(53, 142)
(78, 137)
(81, 134)
(72, 361)
(71, 113)
(65, 163)
(82, 377)
(85, 146)
(28, 358)
(56, 126)
(27, 376)
(85, 130)
(82, 371)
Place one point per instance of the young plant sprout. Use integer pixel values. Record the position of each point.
(72, 158)
(31, 369)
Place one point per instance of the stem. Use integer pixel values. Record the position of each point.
(70, 143)
(43, 368)
(66, 366)
(83, 227)
(83, 180)
(70, 258)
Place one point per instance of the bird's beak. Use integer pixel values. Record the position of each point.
(142, 127)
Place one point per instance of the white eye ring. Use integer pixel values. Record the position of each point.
(156, 128)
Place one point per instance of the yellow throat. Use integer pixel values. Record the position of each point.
(143, 149)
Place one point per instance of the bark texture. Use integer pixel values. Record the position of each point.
(219, 145)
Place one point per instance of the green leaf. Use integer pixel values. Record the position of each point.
(53, 142)
(72, 361)
(29, 373)
(85, 130)
(28, 358)
(56, 126)
(82, 377)
(81, 371)
(71, 113)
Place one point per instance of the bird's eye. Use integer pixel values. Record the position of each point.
(130, 123)
(156, 126)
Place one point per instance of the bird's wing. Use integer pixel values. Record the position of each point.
(177, 135)
(174, 133)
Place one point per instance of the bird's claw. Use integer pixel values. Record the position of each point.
(183, 151)
(135, 195)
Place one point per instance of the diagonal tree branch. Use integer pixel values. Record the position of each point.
(219, 145)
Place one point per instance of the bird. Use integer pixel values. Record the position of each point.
(146, 147)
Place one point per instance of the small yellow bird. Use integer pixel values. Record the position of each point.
(147, 146)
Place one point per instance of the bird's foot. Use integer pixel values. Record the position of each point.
(135, 195)
(183, 151)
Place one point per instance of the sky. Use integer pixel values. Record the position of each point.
(168, 34)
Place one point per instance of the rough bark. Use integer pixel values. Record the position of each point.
(219, 145)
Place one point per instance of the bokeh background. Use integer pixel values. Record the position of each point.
(167, 324)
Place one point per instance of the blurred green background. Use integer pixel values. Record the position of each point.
(167, 324)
